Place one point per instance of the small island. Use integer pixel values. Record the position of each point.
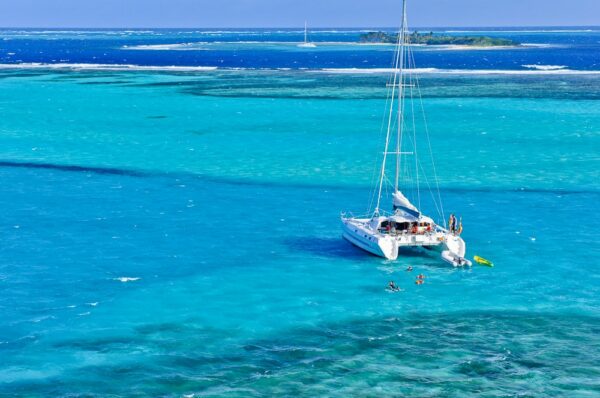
(438, 39)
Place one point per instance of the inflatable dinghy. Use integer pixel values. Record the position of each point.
(454, 259)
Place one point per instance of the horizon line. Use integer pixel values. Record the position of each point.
(296, 27)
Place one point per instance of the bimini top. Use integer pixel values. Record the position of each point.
(375, 222)
(400, 218)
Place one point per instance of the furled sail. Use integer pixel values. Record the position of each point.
(403, 204)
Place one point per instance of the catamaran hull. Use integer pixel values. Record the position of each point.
(384, 247)
(388, 247)
(372, 248)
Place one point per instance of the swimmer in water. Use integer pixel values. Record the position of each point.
(419, 281)
(410, 268)
(421, 276)
(393, 287)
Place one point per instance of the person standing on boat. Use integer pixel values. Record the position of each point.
(452, 223)
(460, 227)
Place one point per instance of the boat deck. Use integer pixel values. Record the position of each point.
(430, 239)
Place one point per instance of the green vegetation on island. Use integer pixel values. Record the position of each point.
(437, 39)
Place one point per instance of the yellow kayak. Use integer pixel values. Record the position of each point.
(483, 261)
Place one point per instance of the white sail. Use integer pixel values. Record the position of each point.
(402, 203)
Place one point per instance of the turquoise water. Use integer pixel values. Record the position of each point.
(177, 234)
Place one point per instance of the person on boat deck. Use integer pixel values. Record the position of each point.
(452, 223)
(460, 227)
(415, 229)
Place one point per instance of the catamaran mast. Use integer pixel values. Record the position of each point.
(400, 96)
(396, 82)
(305, 32)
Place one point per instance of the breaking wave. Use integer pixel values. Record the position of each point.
(77, 66)
(528, 69)
(545, 67)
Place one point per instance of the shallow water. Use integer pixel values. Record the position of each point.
(177, 233)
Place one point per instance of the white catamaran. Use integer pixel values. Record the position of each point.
(306, 43)
(384, 233)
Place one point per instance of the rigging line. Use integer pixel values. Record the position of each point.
(404, 173)
(437, 182)
(430, 191)
(407, 180)
(401, 55)
(409, 52)
(389, 183)
(387, 138)
(375, 181)
(386, 185)
(414, 122)
(379, 186)
(420, 164)
(374, 174)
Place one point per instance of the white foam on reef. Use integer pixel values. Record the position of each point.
(465, 47)
(525, 31)
(35, 65)
(169, 47)
(529, 69)
(543, 45)
(368, 71)
(49, 33)
(201, 45)
(464, 71)
(545, 67)
(126, 279)
(222, 32)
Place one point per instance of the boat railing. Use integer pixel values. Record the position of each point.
(352, 215)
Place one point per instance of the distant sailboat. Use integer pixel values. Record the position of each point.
(306, 43)
(384, 233)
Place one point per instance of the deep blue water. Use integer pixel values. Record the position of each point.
(176, 232)
(576, 48)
